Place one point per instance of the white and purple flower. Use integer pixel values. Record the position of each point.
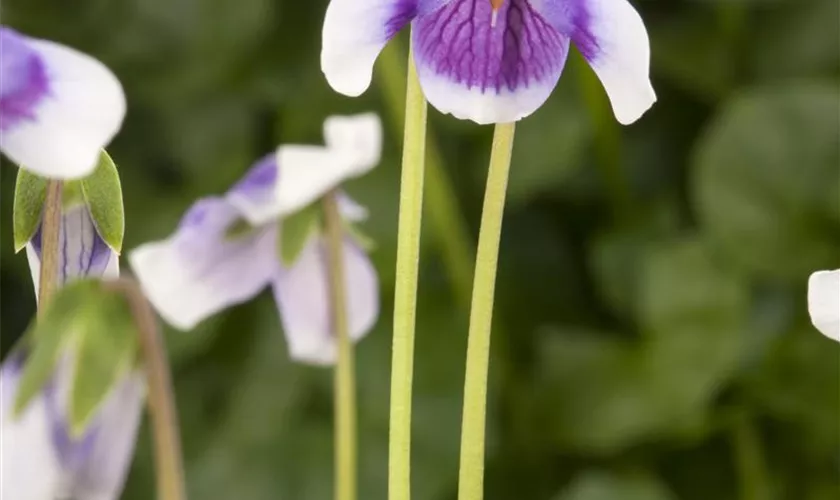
(824, 302)
(58, 107)
(493, 61)
(203, 268)
(39, 458)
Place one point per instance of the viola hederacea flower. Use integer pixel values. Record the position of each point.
(58, 106)
(493, 61)
(39, 458)
(824, 302)
(204, 267)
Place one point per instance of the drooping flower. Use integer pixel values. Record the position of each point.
(58, 107)
(493, 61)
(39, 457)
(207, 265)
(824, 302)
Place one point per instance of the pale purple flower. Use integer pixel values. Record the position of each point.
(493, 61)
(58, 107)
(39, 459)
(202, 269)
(824, 302)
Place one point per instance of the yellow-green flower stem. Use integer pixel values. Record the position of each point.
(448, 228)
(471, 476)
(163, 412)
(405, 293)
(50, 234)
(345, 376)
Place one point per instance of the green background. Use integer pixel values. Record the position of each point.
(651, 338)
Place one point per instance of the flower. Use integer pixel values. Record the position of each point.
(824, 302)
(58, 107)
(204, 267)
(39, 458)
(493, 61)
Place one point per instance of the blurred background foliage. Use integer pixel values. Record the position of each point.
(652, 340)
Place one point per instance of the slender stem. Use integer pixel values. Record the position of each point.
(749, 459)
(449, 229)
(405, 292)
(50, 236)
(162, 410)
(471, 477)
(345, 381)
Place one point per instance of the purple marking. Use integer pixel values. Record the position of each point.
(72, 453)
(93, 254)
(23, 80)
(459, 42)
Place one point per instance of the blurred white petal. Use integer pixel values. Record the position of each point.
(824, 302)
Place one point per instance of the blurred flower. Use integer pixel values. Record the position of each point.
(493, 61)
(39, 458)
(824, 302)
(209, 265)
(58, 107)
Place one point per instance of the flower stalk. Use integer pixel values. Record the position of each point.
(162, 410)
(405, 294)
(471, 474)
(50, 236)
(345, 379)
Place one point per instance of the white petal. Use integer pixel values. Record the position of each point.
(824, 302)
(307, 173)
(80, 115)
(104, 472)
(199, 270)
(357, 137)
(615, 42)
(82, 252)
(29, 469)
(350, 209)
(302, 295)
(355, 31)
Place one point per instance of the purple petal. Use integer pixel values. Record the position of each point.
(484, 66)
(612, 38)
(58, 106)
(355, 31)
(200, 270)
(83, 253)
(302, 295)
(255, 196)
(24, 83)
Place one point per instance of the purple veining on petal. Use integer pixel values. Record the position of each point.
(572, 19)
(459, 42)
(72, 453)
(23, 80)
(84, 252)
(403, 12)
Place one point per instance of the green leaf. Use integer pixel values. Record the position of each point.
(297, 229)
(364, 241)
(30, 195)
(240, 228)
(71, 194)
(770, 205)
(48, 334)
(598, 485)
(103, 195)
(105, 347)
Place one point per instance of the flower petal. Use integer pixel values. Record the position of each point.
(824, 302)
(358, 137)
(302, 294)
(612, 37)
(111, 452)
(350, 209)
(355, 31)
(255, 195)
(200, 270)
(28, 467)
(83, 253)
(61, 111)
(484, 66)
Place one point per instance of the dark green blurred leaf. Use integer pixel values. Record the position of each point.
(604, 486)
(297, 229)
(767, 183)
